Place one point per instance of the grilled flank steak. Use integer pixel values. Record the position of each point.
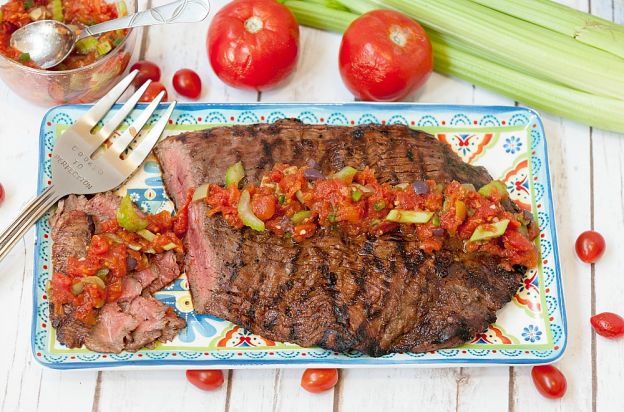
(373, 294)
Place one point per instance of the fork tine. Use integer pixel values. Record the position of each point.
(138, 155)
(121, 143)
(99, 110)
(107, 130)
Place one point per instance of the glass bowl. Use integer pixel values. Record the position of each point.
(83, 85)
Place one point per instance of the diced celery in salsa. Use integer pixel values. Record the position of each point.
(128, 218)
(234, 174)
(246, 214)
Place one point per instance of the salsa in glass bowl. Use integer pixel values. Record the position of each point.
(94, 66)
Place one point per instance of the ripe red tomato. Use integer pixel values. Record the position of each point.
(152, 91)
(384, 56)
(147, 71)
(590, 246)
(319, 380)
(187, 83)
(1, 193)
(253, 44)
(206, 380)
(549, 381)
(609, 325)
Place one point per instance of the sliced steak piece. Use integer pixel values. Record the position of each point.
(174, 325)
(141, 323)
(71, 231)
(154, 322)
(164, 269)
(112, 330)
(119, 325)
(68, 204)
(102, 207)
(131, 288)
(69, 331)
(376, 295)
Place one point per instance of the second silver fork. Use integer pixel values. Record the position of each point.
(78, 169)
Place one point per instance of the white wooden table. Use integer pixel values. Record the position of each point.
(587, 168)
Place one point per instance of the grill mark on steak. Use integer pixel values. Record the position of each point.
(376, 295)
(267, 155)
(420, 162)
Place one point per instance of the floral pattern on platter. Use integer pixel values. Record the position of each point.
(532, 333)
(528, 296)
(495, 334)
(519, 185)
(238, 337)
(538, 305)
(467, 145)
(512, 145)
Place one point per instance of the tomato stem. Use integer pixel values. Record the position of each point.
(398, 35)
(254, 24)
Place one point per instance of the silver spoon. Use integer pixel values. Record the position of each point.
(49, 42)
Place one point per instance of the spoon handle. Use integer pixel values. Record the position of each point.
(181, 11)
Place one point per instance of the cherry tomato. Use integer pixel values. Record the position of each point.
(590, 246)
(549, 381)
(319, 380)
(187, 83)
(152, 91)
(609, 325)
(206, 380)
(384, 56)
(253, 44)
(147, 71)
(1, 193)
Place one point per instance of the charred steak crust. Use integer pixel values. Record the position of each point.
(137, 319)
(375, 295)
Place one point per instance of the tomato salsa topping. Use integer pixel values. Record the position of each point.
(76, 13)
(298, 202)
(123, 245)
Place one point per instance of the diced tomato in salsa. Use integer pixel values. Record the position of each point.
(291, 205)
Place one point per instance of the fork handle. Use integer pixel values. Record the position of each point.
(29, 215)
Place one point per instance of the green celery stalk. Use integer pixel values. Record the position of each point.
(332, 4)
(583, 27)
(317, 16)
(359, 6)
(528, 47)
(458, 58)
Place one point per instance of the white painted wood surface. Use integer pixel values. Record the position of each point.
(588, 178)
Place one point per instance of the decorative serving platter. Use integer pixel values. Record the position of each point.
(508, 141)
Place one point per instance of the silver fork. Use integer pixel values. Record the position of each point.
(75, 169)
